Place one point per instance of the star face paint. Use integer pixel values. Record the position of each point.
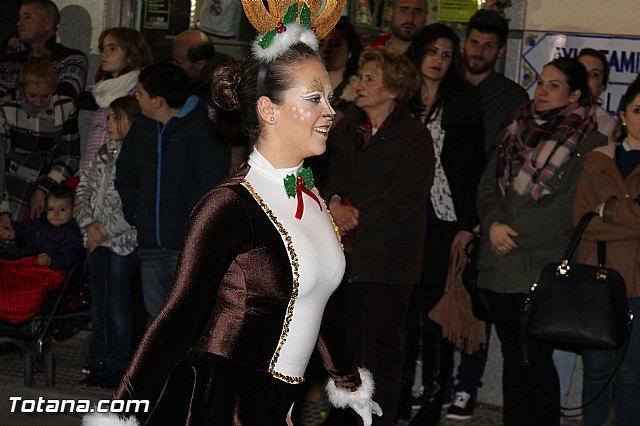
(315, 85)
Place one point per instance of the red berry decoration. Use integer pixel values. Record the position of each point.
(281, 28)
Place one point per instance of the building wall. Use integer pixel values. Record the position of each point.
(619, 17)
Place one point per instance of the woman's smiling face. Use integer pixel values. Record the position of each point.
(305, 117)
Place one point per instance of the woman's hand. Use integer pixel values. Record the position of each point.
(6, 230)
(37, 203)
(6, 234)
(44, 259)
(500, 235)
(96, 235)
(462, 238)
(345, 217)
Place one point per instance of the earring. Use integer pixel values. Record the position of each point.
(272, 119)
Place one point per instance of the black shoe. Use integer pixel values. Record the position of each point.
(102, 376)
(462, 406)
(429, 414)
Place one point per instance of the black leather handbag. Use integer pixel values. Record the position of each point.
(577, 306)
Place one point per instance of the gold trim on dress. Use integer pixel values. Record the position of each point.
(293, 258)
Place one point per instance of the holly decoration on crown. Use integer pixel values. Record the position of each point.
(290, 16)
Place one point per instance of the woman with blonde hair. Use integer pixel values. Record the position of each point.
(39, 130)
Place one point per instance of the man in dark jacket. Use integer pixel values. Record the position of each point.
(171, 157)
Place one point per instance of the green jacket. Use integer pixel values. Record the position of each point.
(544, 227)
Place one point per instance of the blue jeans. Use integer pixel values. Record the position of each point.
(157, 267)
(598, 366)
(565, 363)
(111, 277)
(471, 368)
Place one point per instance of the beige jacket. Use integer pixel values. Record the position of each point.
(601, 182)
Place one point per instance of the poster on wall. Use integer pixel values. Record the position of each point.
(456, 10)
(623, 53)
(156, 14)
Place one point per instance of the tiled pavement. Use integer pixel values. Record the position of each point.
(70, 357)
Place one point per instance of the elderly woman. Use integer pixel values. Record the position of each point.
(525, 199)
(381, 168)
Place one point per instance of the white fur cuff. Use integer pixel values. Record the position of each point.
(343, 398)
(108, 419)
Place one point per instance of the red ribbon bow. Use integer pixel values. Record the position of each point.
(300, 188)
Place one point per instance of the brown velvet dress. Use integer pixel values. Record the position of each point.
(208, 358)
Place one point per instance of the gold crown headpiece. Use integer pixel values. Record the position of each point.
(288, 22)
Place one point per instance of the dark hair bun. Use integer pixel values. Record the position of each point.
(224, 86)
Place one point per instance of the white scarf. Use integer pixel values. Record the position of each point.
(107, 91)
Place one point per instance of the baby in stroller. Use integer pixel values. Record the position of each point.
(46, 249)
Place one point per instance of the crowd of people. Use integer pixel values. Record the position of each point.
(193, 173)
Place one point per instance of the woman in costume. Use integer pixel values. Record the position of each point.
(380, 170)
(610, 186)
(260, 260)
(451, 111)
(525, 198)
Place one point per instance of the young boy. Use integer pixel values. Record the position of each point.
(170, 158)
(55, 238)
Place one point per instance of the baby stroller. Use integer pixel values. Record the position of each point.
(38, 304)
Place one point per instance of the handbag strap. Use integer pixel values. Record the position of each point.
(584, 404)
(577, 235)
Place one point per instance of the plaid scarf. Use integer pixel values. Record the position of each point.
(538, 145)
